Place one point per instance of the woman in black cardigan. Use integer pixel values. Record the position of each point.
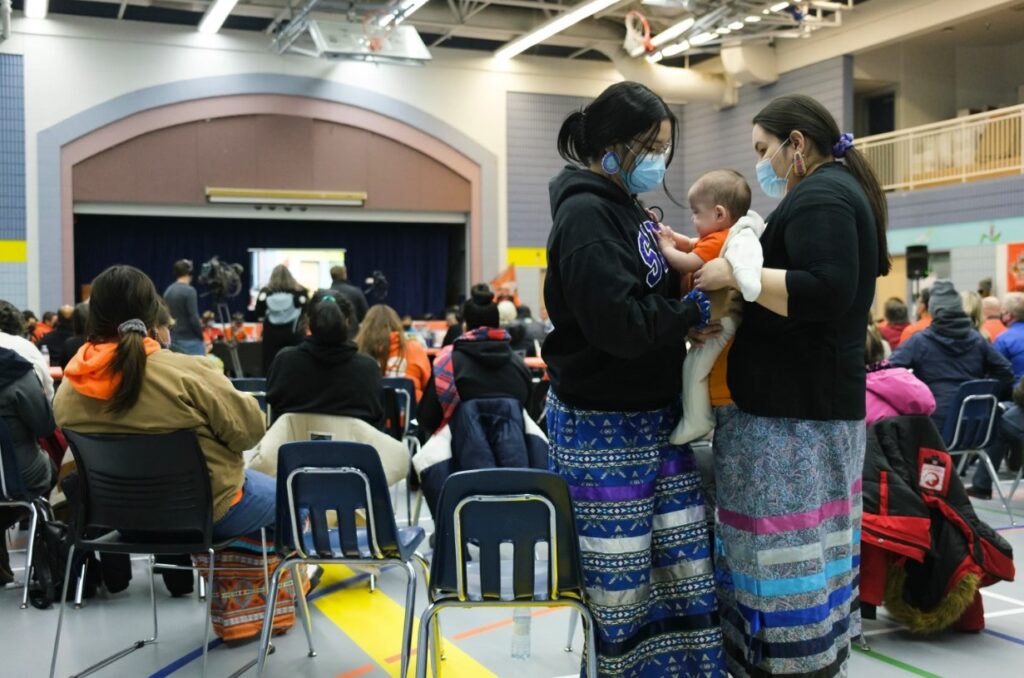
(790, 451)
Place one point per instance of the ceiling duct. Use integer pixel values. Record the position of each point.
(675, 84)
(750, 64)
(5, 19)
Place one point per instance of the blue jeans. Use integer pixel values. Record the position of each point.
(258, 508)
(1009, 428)
(190, 346)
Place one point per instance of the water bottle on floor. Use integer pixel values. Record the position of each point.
(521, 633)
(46, 355)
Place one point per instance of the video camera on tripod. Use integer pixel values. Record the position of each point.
(223, 281)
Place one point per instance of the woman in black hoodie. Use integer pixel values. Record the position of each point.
(615, 359)
(326, 374)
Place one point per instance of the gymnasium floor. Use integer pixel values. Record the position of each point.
(357, 633)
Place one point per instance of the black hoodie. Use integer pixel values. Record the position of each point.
(482, 369)
(318, 379)
(618, 342)
(27, 413)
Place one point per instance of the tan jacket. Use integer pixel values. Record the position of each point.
(179, 392)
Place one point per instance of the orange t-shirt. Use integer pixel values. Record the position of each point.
(708, 247)
(994, 328)
(912, 329)
(718, 386)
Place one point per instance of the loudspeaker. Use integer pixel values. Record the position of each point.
(917, 261)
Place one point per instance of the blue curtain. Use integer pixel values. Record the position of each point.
(414, 257)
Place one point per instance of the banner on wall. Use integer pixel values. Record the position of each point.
(1015, 267)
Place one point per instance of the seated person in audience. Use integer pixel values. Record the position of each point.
(43, 327)
(29, 322)
(534, 331)
(480, 364)
(453, 316)
(1009, 431)
(508, 320)
(971, 301)
(382, 337)
(237, 329)
(924, 318)
(26, 413)
(78, 319)
(949, 351)
(211, 332)
(720, 201)
(1010, 344)
(891, 391)
(12, 336)
(54, 341)
(992, 314)
(326, 373)
(895, 322)
(121, 382)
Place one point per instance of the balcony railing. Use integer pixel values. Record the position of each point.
(979, 146)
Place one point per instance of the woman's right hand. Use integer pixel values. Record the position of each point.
(711, 330)
(715, 275)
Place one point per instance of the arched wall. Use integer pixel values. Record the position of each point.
(84, 135)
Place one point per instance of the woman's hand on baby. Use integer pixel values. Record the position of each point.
(711, 330)
(714, 275)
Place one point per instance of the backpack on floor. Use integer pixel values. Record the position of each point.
(53, 541)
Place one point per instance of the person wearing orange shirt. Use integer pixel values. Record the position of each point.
(44, 326)
(924, 319)
(992, 312)
(382, 337)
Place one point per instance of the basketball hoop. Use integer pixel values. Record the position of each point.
(638, 35)
(374, 33)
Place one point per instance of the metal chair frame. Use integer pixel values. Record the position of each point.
(461, 598)
(6, 499)
(377, 559)
(411, 442)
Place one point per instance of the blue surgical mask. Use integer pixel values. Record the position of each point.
(647, 174)
(772, 184)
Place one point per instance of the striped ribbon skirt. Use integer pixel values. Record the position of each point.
(788, 542)
(643, 539)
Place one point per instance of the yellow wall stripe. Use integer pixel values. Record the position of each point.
(13, 251)
(528, 256)
(373, 621)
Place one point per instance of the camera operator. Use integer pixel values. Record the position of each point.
(183, 302)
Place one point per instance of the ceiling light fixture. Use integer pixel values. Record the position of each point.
(673, 31)
(752, 19)
(779, 6)
(554, 25)
(215, 15)
(36, 9)
(655, 58)
(702, 39)
(675, 49)
(723, 30)
(736, 25)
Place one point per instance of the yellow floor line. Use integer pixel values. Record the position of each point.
(373, 621)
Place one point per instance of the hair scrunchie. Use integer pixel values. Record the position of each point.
(844, 144)
(134, 325)
(703, 305)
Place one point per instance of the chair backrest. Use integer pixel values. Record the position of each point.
(11, 486)
(257, 386)
(315, 478)
(405, 389)
(156, 485)
(972, 415)
(491, 507)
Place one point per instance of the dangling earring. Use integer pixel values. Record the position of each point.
(799, 167)
(610, 163)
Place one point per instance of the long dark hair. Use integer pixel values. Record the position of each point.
(118, 294)
(798, 112)
(331, 319)
(625, 113)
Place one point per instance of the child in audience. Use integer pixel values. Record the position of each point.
(720, 201)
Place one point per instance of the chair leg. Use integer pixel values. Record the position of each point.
(574, 617)
(308, 620)
(995, 484)
(60, 617)
(964, 458)
(268, 615)
(438, 639)
(373, 583)
(423, 649)
(33, 521)
(209, 609)
(152, 597)
(202, 588)
(410, 605)
(590, 639)
(417, 507)
(80, 586)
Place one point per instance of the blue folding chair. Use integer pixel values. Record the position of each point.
(970, 427)
(14, 493)
(405, 390)
(257, 388)
(487, 509)
(318, 477)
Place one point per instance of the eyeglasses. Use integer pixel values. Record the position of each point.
(661, 149)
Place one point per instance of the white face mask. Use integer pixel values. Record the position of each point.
(771, 183)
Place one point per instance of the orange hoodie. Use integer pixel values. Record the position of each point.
(89, 371)
(415, 366)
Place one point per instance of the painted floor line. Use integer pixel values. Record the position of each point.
(999, 596)
(909, 668)
(1004, 636)
(1004, 613)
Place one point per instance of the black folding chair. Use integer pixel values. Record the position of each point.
(13, 493)
(141, 494)
(492, 507)
(405, 394)
(318, 477)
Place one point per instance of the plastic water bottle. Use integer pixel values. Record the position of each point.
(521, 633)
(46, 356)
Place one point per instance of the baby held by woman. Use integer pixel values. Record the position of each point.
(720, 201)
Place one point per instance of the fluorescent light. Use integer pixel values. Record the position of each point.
(779, 6)
(673, 32)
(736, 25)
(723, 30)
(675, 49)
(752, 19)
(554, 25)
(655, 58)
(255, 196)
(215, 15)
(36, 9)
(702, 39)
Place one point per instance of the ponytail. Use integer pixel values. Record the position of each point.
(130, 363)
(865, 176)
(572, 139)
